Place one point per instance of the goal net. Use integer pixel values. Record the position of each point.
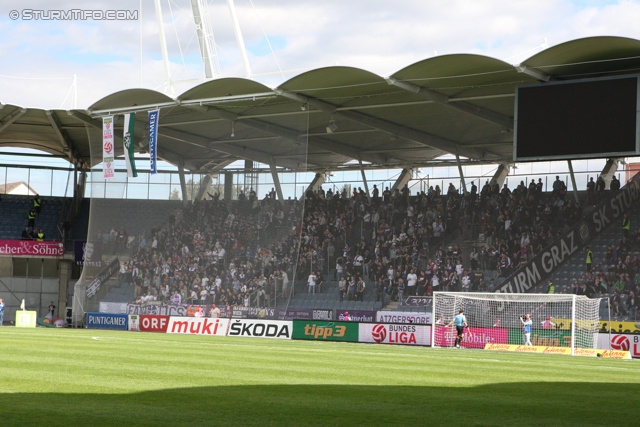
(557, 320)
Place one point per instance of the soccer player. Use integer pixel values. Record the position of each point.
(526, 328)
(461, 322)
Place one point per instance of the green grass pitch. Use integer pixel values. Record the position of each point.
(69, 377)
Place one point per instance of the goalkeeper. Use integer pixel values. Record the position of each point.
(461, 322)
(526, 328)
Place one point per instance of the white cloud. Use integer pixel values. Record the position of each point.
(41, 57)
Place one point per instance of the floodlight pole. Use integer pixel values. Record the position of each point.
(205, 40)
(239, 39)
(168, 85)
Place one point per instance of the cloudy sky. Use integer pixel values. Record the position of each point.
(40, 56)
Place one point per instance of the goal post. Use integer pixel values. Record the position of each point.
(557, 320)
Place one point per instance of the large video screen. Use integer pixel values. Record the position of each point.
(579, 119)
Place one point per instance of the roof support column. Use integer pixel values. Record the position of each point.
(80, 184)
(500, 176)
(183, 184)
(316, 183)
(204, 185)
(403, 179)
(364, 180)
(608, 171)
(573, 182)
(463, 184)
(228, 185)
(276, 182)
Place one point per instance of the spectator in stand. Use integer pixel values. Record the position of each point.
(412, 280)
(591, 190)
(360, 288)
(215, 312)
(342, 288)
(599, 191)
(617, 309)
(465, 281)
(311, 282)
(37, 204)
(31, 218)
(400, 286)
(633, 305)
(40, 236)
(351, 288)
(26, 234)
(380, 288)
(614, 186)
(589, 260)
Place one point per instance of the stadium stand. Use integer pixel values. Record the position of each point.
(390, 230)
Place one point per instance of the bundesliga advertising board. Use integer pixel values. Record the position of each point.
(381, 333)
(623, 342)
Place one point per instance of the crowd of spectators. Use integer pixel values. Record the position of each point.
(395, 241)
(618, 277)
(247, 252)
(214, 251)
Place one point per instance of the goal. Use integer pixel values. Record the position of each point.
(557, 320)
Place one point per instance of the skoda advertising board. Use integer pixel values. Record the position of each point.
(252, 328)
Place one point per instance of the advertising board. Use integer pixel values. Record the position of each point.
(153, 323)
(356, 315)
(198, 326)
(389, 333)
(280, 329)
(622, 342)
(107, 321)
(403, 317)
(478, 338)
(325, 331)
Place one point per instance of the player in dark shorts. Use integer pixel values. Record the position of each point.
(461, 322)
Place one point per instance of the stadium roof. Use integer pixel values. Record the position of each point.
(460, 104)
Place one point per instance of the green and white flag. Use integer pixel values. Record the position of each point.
(127, 139)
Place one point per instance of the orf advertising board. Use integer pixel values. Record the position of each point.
(623, 342)
(280, 329)
(325, 331)
(198, 326)
(107, 321)
(153, 323)
(389, 333)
